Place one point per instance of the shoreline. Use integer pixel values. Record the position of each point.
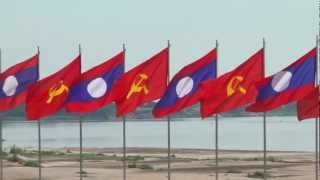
(146, 163)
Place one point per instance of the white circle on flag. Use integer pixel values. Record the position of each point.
(97, 87)
(184, 86)
(281, 81)
(10, 85)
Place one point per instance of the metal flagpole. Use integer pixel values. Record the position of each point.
(216, 151)
(39, 136)
(1, 141)
(217, 134)
(318, 82)
(317, 147)
(169, 148)
(81, 157)
(264, 127)
(316, 119)
(80, 131)
(124, 150)
(1, 155)
(264, 146)
(39, 149)
(124, 135)
(168, 123)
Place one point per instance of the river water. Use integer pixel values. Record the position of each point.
(283, 133)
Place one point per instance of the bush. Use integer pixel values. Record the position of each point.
(16, 150)
(49, 153)
(31, 163)
(258, 174)
(145, 166)
(132, 165)
(14, 158)
(135, 158)
(233, 171)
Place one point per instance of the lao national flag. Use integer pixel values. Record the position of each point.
(233, 89)
(183, 90)
(308, 107)
(142, 84)
(15, 81)
(290, 84)
(93, 91)
(49, 95)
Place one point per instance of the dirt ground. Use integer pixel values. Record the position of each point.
(151, 163)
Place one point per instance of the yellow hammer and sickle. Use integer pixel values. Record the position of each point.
(138, 85)
(234, 85)
(56, 90)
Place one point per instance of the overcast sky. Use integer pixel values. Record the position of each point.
(101, 26)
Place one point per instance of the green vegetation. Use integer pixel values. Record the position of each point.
(27, 157)
(270, 158)
(145, 166)
(134, 158)
(31, 163)
(234, 171)
(15, 150)
(259, 174)
(13, 158)
(132, 165)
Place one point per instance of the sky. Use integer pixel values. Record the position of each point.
(144, 26)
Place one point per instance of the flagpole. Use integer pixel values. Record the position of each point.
(264, 126)
(80, 134)
(216, 131)
(264, 146)
(39, 134)
(316, 155)
(124, 149)
(39, 149)
(81, 157)
(1, 141)
(317, 81)
(316, 119)
(124, 135)
(1, 155)
(168, 121)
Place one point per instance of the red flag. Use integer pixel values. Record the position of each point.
(48, 95)
(233, 89)
(308, 107)
(142, 84)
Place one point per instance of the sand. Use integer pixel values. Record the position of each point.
(187, 164)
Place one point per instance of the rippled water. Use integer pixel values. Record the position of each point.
(283, 133)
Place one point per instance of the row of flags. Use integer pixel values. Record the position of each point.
(108, 82)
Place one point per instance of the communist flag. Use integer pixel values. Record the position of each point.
(48, 95)
(233, 89)
(142, 84)
(309, 107)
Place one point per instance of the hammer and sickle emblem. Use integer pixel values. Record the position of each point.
(138, 85)
(234, 85)
(56, 90)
